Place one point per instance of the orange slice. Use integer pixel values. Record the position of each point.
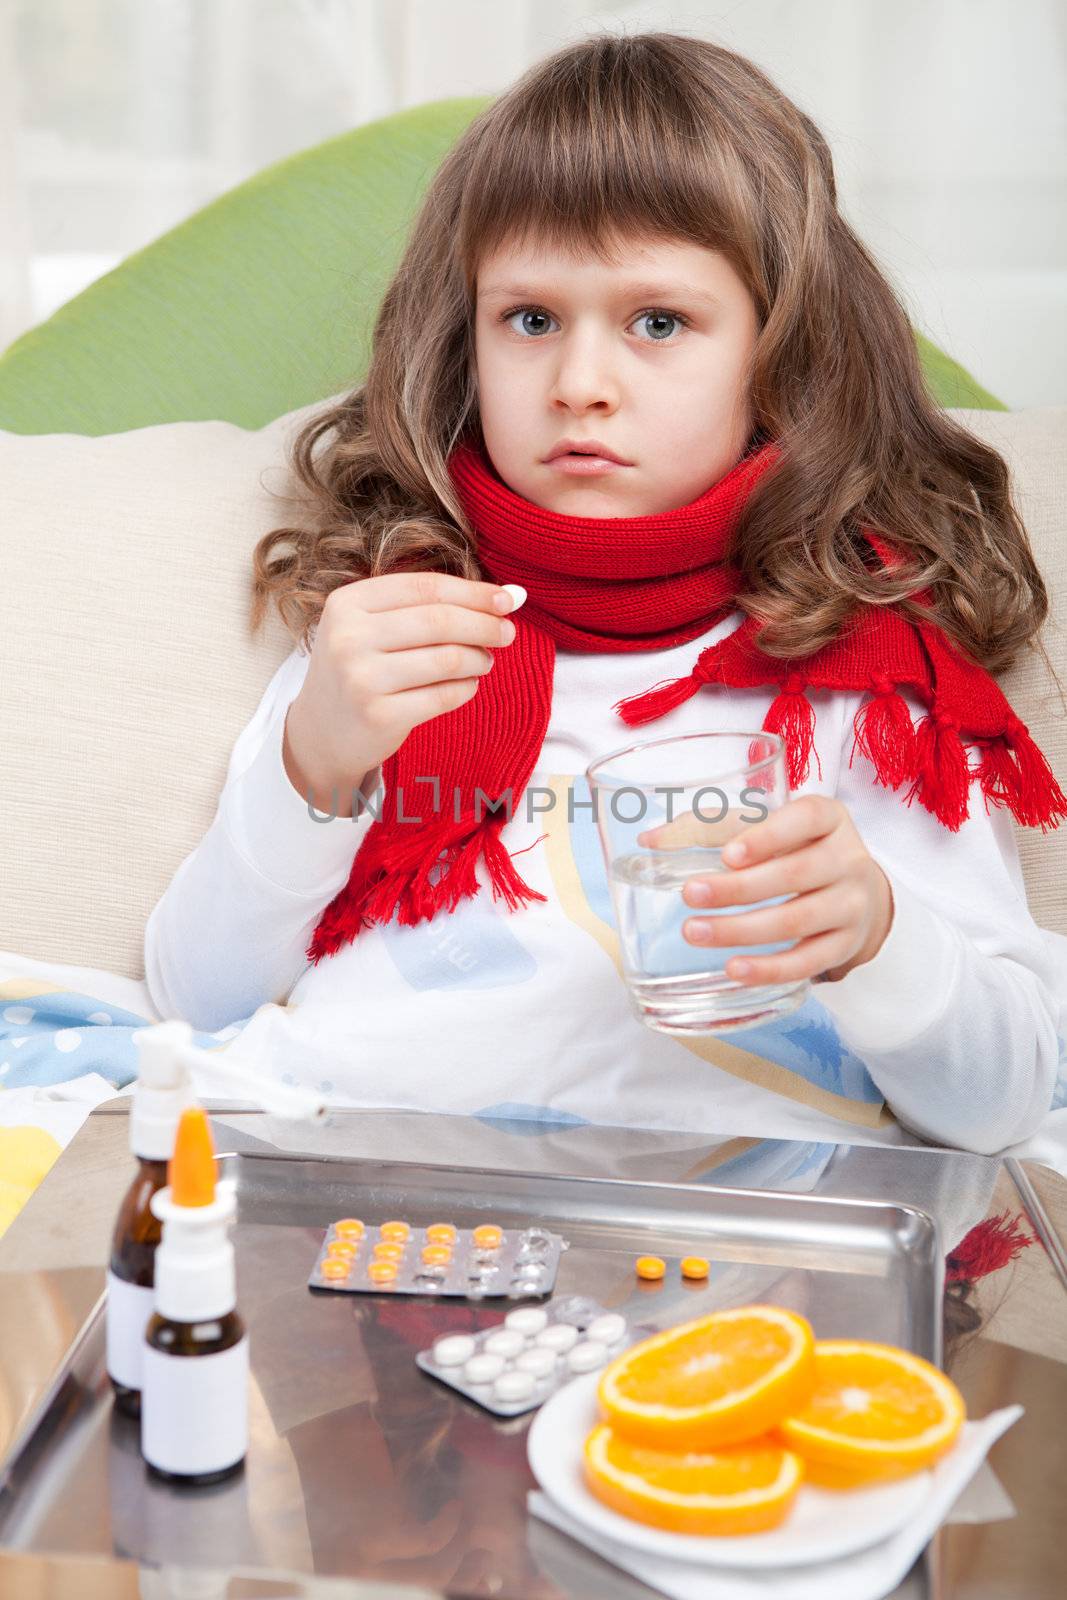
(724, 1378)
(743, 1488)
(875, 1412)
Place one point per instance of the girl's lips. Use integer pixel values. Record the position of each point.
(585, 466)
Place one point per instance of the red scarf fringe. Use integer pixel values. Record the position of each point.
(990, 1245)
(886, 735)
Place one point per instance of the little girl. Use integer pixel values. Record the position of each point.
(635, 370)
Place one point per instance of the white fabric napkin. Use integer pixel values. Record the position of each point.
(864, 1575)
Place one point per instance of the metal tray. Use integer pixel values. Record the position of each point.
(359, 1465)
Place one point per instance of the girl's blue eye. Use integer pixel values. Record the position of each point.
(662, 316)
(654, 315)
(527, 312)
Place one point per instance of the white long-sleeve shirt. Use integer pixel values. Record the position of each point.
(956, 1023)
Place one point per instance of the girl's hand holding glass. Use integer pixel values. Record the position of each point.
(842, 905)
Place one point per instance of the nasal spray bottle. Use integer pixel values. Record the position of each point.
(194, 1385)
(163, 1090)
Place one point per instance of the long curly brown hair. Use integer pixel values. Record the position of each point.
(661, 134)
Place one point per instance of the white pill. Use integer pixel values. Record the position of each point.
(483, 1368)
(588, 1355)
(609, 1329)
(517, 593)
(504, 1342)
(513, 1386)
(453, 1350)
(539, 1363)
(528, 1320)
(560, 1336)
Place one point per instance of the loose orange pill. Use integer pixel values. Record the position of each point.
(349, 1228)
(440, 1233)
(381, 1271)
(488, 1236)
(650, 1267)
(436, 1255)
(386, 1250)
(695, 1267)
(341, 1249)
(335, 1267)
(398, 1232)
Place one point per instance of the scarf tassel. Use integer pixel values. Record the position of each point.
(399, 884)
(661, 698)
(792, 715)
(886, 735)
(990, 1245)
(1026, 784)
(942, 775)
(502, 872)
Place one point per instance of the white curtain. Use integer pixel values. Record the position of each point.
(947, 118)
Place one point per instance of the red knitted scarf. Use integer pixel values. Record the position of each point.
(648, 583)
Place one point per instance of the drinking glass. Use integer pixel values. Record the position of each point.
(665, 809)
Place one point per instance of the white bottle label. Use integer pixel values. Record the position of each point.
(129, 1307)
(194, 1409)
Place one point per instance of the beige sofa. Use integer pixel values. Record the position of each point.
(127, 668)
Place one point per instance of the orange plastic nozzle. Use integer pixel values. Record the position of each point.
(191, 1169)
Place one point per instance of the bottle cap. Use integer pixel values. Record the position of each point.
(162, 1091)
(191, 1169)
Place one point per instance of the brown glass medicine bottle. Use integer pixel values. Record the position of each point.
(131, 1277)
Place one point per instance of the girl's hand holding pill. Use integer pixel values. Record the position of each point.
(842, 905)
(389, 652)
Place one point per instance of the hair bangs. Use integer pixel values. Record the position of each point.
(597, 161)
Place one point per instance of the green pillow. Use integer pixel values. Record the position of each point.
(265, 300)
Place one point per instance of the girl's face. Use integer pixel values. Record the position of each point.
(648, 360)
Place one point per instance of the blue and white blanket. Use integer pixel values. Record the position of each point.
(66, 1044)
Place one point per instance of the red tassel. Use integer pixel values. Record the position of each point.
(658, 700)
(942, 773)
(454, 878)
(503, 875)
(1027, 784)
(989, 1246)
(886, 735)
(412, 884)
(393, 876)
(792, 715)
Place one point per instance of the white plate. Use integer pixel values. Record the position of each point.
(822, 1525)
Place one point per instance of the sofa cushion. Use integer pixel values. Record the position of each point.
(127, 668)
(1034, 444)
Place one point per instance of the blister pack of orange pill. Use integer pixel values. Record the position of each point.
(398, 1257)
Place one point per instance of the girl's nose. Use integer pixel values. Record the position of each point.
(585, 376)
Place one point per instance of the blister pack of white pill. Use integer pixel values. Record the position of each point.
(516, 1366)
